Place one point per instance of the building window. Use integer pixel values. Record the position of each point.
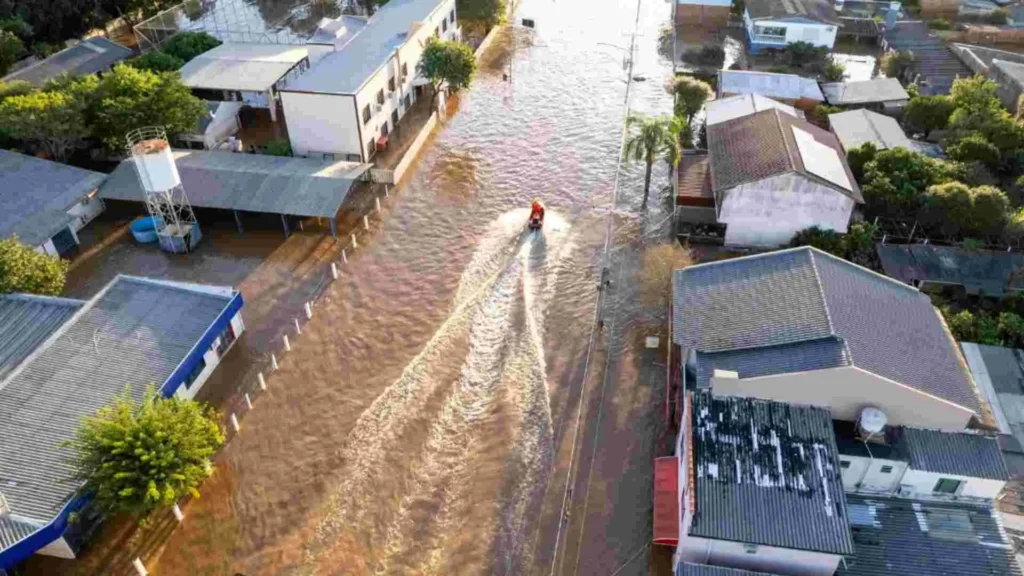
(391, 84)
(408, 101)
(452, 16)
(366, 114)
(770, 31)
(444, 25)
(885, 469)
(380, 96)
(405, 70)
(384, 129)
(191, 378)
(947, 486)
(844, 464)
(371, 148)
(227, 337)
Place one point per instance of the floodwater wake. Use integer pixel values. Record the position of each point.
(399, 514)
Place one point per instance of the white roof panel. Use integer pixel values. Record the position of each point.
(724, 109)
(788, 86)
(243, 67)
(821, 160)
(856, 127)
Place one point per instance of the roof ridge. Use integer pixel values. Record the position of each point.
(785, 142)
(864, 269)
(824, 300)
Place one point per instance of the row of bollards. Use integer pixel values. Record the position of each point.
(307, 309)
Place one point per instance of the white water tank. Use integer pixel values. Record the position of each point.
(871, 423)
(155, 165)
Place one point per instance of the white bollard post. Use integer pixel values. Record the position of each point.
(298, 329)
(248, 401)
(355, 243)
(309, 311)
(377, 202)
(344, 257)
(234, 423)
(386, 191)
(263, 381)
(366, 222)
(140, 567)
(273, 362)
(178, 515)
(334, 270)
(287, 344)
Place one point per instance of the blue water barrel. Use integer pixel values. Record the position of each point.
(144, 230)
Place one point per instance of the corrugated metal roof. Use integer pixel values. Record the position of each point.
(799, 10)
(239, 66)
(25, 322)
(804, 294)
(769, 361)
(989, 272)
(250, 182)
(958, 453)
(730, 107)
(87, 57)
(12, 530)
(865, 91)
(857, 127)
(897, 537)
(785, 86)
(689, 569)
(344, 71)
(134, 332)
(767, 473)
(35, 195)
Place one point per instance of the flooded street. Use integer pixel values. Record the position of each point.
(430, 414)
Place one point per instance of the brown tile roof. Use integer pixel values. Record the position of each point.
(762, 145)
(694, 181)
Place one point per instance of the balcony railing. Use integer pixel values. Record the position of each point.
(769, 39)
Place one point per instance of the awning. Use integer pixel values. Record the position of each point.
(666, 501)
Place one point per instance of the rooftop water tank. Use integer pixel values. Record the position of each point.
(871, 424)
(155, 164)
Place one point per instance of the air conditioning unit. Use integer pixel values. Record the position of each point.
(905, 490)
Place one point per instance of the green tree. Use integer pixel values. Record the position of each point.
(127, 98)
(53, 121)
(278, 147)
(834, 71)
(648, 139)
(188, 45)
(895, 180)
(690, 94)
(857, 245)
(139, 457)
(897, 64)
(14, 88)
(22, 269)
(954, 208)
(858, 157)
(11, 50)
(157, 62)
(927, 113)
(826, 240)
(447, 64)
(1011, 329)
(489, 12)
(978, 111)
(974, 148)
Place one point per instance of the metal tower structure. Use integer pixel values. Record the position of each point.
(174, 220)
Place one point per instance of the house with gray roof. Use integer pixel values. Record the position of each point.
(906, 537)
(760, 487)
(90, 56)
(772, 24)
(773, 174)
(801, 325)
(855, 128)
(62, 360)
(46, 203)
(788, 89)
(878, 93)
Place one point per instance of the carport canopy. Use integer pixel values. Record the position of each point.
(250, 182)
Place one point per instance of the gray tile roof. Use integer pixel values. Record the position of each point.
(35, 195)
(804, 294)
(250, 182)
(134, 332)
(857, 127)
(346, 70)
(782, 489)
(957, 453)
(782, 359)
(865, 91)
(87, 57)
(690, 569)
(782, 10)
(25, 322)
(897, 537)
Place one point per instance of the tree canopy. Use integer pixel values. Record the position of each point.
(690, 94)
(974, 148)
(897, 64)
(649, 138)
(857, 245)
(448, 64)
(138, 457)
(156, 61)
(927, 113)
(22, 269)
(894, 181)
(53, 121)
(954, 208)
(187, 45)
(11, 50)
(490, 12)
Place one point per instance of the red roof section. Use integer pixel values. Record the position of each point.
(666, 501)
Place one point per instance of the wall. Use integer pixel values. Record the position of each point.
(922, 483)
(59, 548)
(212, 359)
(865, 474)
(770, 211)
(84, 212)
(712, 13)
(321, 123)
(848, 390)
(765, 559)
(817, 34)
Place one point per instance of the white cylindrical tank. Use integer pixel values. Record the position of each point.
(155, 164)
(871, 422)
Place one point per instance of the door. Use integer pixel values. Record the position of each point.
(64, 241)
(394, 117)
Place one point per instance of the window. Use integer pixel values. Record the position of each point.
(452, 16)
(227, 337)
(770, 30)
(947, 486)
(408, 101)
(384, 129)
(370, 148)
(444, 25)
(391, 84)
(844, 464)
(380, 96)
(885, 469)
(191, 378)
(437, 32)
(366, 114)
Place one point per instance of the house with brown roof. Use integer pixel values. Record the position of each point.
(767, 176)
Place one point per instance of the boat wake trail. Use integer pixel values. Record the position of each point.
(415, 453)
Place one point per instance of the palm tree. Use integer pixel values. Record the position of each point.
(653, 137)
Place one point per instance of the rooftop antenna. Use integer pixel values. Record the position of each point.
(175, 223)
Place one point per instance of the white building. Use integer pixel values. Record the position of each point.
(776, 23)
(773, 175)
(62, 360)
(350, 100)
(858, 127)
(45, 203)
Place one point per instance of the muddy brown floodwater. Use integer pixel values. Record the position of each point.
(417, 425)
